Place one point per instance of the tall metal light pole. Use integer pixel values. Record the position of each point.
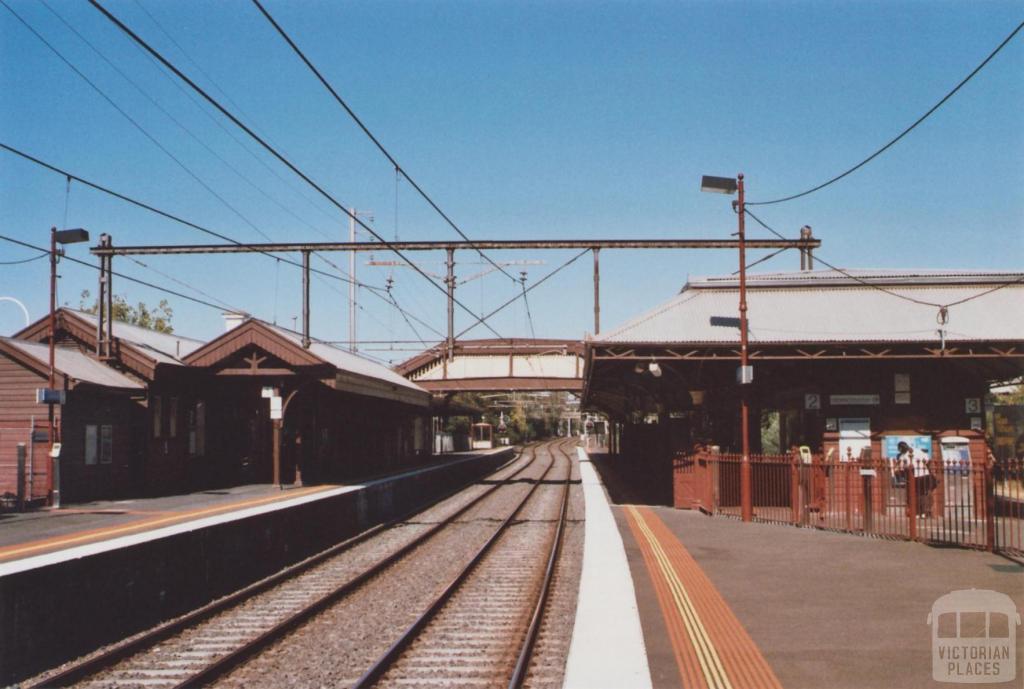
(353, 214)
(745, 374)
(52, 396)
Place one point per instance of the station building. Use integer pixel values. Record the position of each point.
(167, 414)
(844, 363)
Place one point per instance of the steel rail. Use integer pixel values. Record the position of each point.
(526, 653)
(509, 244)
(95, 664)
(229, 661)
(409, 635)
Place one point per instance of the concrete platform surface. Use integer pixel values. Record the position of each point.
(38, 532)
(825, 609)
(607, 649)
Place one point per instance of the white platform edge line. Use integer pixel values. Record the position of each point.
(87, 549)
(607, 649)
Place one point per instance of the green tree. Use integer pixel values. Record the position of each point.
(158, 318)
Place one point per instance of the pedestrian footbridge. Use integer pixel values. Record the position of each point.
(499, 365)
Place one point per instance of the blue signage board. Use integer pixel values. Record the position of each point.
(922, 445)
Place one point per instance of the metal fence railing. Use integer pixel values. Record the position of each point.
(946, 502)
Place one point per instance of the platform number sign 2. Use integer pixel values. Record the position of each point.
(812, 401)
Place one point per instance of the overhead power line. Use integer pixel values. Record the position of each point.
(120, 275)
(867, 283)
(145, 283)
(25, 260)
(398, 168)
(135, 123)
(192, 135)
(528, 289)
(162, 213)
(273, 151)
(902, 134)
(373, 289)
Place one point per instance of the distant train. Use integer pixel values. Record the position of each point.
(482, 436)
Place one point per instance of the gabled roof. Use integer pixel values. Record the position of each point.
(163, 347)
(153, 347)
(351, 371)
(70, 362)
(828, 306)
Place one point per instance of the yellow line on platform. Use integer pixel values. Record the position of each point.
(103, 534)
(707, 654)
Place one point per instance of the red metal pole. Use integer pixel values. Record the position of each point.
(746, 506)
(52, 378)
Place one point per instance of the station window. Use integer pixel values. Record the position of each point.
(172, 417)
(106, 444)
(158, 416)
(99, 444)
(91, 443)
(197, 429)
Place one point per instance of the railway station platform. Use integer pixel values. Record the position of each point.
(93, 525)
(721, 604)
(126, 565)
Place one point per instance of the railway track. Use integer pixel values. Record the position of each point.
(199, 647)
(481, 629)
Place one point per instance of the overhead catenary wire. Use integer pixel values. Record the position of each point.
(528, 289)
(135, 123)
(151, 285)
(899, 136)
(219, 124)
(186, 285)
(192, 135)
(373, 289)
(398, 168)
(943, 308)
(138, 126)
(171, 216)
(273, 151)
(26, 260)
(120, 275)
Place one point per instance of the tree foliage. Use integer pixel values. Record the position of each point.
(158, 318)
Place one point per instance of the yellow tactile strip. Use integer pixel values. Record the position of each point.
(21, 550)
(711, 647)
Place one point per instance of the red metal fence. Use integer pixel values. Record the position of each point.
(944, 502)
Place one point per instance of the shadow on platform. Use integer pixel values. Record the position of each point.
(632, 482)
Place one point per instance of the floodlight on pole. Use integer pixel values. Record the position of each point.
(745, 374)
(62, 237)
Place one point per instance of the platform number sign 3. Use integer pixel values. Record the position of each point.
(812, 401)
(972, 405)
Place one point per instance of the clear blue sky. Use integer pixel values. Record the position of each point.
(522, 120)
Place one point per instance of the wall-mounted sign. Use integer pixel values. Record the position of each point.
(921, 444)
(267, 391)
(275, 408)
(853, 400)
(901, 398)
(972, 405)
(812, 400)
(831, 424)
(51, 396)
(976, 423)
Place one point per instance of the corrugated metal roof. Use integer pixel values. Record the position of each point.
(162, 347)
(75, 364)
(347, 361)
(825, 306)
(855, 276)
